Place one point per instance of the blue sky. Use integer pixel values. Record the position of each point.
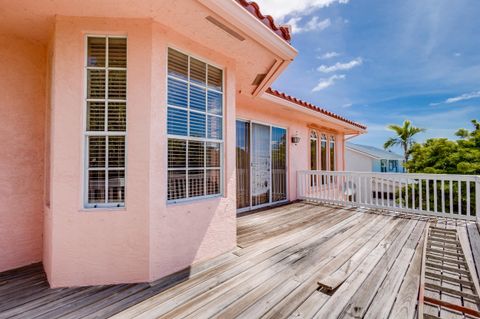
(381, 62)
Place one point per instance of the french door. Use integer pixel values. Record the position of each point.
(261, 165)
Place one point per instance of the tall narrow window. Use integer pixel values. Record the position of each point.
(323, 152)
(194, 127)
(332, 153)
(313, 150)
(106, 121)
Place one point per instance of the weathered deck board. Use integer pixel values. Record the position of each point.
(369, 260)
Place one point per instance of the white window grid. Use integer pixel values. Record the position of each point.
(105, 133)
(205, 139)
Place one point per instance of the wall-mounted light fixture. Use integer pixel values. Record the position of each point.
(296, 139)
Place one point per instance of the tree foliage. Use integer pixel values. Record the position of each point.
(404, 137)
(444, 156)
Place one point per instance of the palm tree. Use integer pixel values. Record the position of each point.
(404, 138)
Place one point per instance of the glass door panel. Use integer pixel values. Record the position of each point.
(279, 164)
(260, 164)
(243, 164)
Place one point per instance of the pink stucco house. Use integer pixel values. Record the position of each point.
(133, 132)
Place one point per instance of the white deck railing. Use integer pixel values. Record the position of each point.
(453, 196)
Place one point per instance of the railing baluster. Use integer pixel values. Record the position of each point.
(443, 196)
(451, 197)
(427, 189)
(406, 193)
(459, 197)
(468, 197)
(435, 195)
(420, 194)
(413, 195)
(400, 187)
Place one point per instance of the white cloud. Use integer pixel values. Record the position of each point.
(463, 97)
(325, 83)
(457, 54)
(279, 9)
(345, 106)
(340, 66)
(313, 25)
(328, 55)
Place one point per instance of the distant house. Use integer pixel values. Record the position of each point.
(364, 158)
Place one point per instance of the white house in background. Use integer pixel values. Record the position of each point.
(364, 158)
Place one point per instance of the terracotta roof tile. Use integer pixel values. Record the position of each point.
(312, 107)
(254, 9)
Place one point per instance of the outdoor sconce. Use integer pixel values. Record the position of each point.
(295, 139)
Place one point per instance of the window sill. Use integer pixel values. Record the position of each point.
(194, 200)
(103, 209)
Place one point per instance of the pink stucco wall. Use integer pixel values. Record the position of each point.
(22, 88)
(185, 233)
(148, 239)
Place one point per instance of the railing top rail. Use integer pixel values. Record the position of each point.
(399, 175)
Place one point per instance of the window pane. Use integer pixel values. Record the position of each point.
(197, 98)
(332, 154)
(95, 116)
(177, 64)
(96, 187)
(116, 151)
(177, 185)
(177, 93)
(197, 124)
(198, 71)
(196, 154)
(96, 151)
(213, 155)
(213, 181)
(117, 116)
(96, 52)
(313, 154)
(215, 103)
(177, 122)
(215, 127)
(117, 84)
(117, 52)
(177, 153)
(116, 186)
(215, 78)
(196, 183)
(96, 84)
(323, 153)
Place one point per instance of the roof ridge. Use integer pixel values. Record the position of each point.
(313, 107)
(254, 9)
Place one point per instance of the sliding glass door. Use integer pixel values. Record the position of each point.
(279, 164)
(243, 164)
(261, 165)
(261, 160)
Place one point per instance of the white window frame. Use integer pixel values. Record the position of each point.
(105, 133)
(188, 138)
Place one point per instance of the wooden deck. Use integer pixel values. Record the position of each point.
(299, 261)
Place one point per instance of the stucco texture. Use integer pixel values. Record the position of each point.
(22, 108)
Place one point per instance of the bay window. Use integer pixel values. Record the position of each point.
(106, 121)
(194, 127)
